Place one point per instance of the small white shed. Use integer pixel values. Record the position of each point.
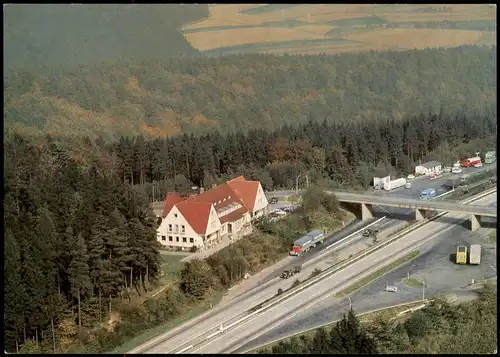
(428, 168)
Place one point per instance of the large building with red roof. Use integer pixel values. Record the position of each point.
(203, 220)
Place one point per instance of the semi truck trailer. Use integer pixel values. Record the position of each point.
(475, 254)
(310, 240)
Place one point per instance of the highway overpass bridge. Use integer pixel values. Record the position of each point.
(368, 200)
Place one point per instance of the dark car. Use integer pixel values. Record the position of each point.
(273, 200)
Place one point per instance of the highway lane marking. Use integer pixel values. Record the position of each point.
(462, 217)
(173, 332)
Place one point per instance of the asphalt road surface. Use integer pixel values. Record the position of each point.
(236, 337)
(434, 265)
(418, 184)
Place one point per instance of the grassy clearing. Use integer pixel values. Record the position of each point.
(413, 282)
(377, 274)
(170, 267)
(147, 335)
(417, 38)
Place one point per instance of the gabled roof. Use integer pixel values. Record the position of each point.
(196, 214)
(170, 201)
(220, 196)
(196, 210)
(245, 190)
(430, 164)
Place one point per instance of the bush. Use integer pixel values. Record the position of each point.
(280, 291)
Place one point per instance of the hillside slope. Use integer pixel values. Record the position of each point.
(239, 92)
(49, 35)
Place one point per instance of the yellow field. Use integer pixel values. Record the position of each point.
(416, 38)
(319, 29)
(318, 18)
(226, 38)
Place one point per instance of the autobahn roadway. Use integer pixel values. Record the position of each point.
(434, 265)
(225, 315)
(237, 336)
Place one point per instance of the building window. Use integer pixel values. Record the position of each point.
(183, 229)
(184, 239)
(175, 215)
(163, 238)
(191, 240)
(170, 228)
(176, 239)
(176, 228)
(170, 238)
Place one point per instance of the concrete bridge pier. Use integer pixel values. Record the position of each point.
(366, 212)
(419, 215)
(475, 222)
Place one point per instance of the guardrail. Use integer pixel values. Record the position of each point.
(253, 349)
(326, 273)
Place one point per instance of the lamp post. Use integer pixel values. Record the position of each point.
(423, 286)
(297, 184)
(350, 302)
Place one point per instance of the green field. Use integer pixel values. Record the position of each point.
(267, 46)
(267, 8)
(359, 21)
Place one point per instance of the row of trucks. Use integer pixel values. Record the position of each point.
(488, 157)
(474, 254)
(310, 240)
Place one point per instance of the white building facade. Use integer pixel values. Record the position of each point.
(203, 220)
(428, 168)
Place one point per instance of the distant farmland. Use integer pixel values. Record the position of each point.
(325, 28)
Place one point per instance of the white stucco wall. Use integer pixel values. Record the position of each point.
(213, 222)
(260, 200)
(174, 218)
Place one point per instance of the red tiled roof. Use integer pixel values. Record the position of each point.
(196, 214)
(170, 201)
(222, 193)
(233, 215)
(196, 210)
(246, 191)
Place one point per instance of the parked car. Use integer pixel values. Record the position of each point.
(273, 200)
(391, 289)
(456, 170)
(410, 177)
(408, 185)
(446, 169)
(479, 164)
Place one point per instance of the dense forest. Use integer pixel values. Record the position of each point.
(80, 239)
(36, 36)
(76, 242)
(346, 154)
(440, 328)
(241, 92)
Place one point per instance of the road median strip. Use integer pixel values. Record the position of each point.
(374, 276)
